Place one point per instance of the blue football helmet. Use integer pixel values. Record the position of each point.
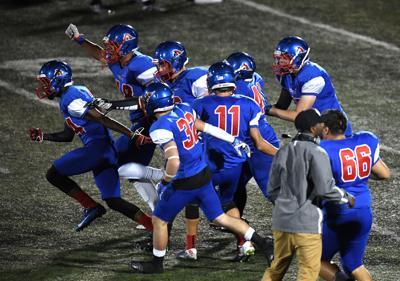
(158, 97)
(243, 64)
(170, 57)
(290, 55)
(119, 41)
(220, 75)
(53, 77)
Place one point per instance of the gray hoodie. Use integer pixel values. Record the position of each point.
(300, 175)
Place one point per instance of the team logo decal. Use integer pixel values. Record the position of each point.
(177, 53)
(127, 37)
(245, 66)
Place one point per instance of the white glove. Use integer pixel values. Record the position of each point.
(72, 32)
(241, 146)
(101, 103)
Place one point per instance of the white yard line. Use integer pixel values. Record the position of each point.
(342, 32)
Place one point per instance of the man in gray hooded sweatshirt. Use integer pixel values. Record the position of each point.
(300, 180)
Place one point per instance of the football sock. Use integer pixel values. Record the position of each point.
(190, 241)
(250, 233)
(145, 220)
(83, 198)
(240, 240)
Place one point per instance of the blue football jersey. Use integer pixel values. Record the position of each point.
(72, 106)
(352, 159)
(132, 78)
(253, 88)
(190, 84)
(313, 80)
(234, 114)
(178, 125)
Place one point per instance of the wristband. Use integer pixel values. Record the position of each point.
(164, 182)
(80, 39)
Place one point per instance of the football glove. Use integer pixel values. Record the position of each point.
(73, 33)
(139, 139)
(36, 134)
(240, 146)
(103, 104)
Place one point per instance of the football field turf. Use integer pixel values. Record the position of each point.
(357, 42)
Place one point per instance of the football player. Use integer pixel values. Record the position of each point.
(303, 81)
(187, 84)
(187, 177)
(239, 116)
(250, 83)
(132, 71)
(353, 159)
(98, 153)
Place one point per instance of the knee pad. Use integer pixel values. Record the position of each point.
(192, 212)
(228, 206)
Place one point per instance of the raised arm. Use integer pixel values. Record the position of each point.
(92, 49)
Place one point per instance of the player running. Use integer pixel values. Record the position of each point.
(98, 154)
(249, 83)
(303, 81)
(345, 230)
(187, 177)
(132, 71)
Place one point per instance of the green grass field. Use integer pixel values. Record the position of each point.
(37, 238)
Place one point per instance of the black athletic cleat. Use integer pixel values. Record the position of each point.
(89, 215)
(268, 249)
(147, 267)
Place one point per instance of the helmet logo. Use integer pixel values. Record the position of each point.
(299, 50)
(148, 96)
(58, 72)
(127, 37)
(219, 77)
(245, 66)
(177, 53)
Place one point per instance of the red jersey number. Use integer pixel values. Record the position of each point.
(187, 125)
(234, 112)
(126, 89)
(76, 128)
(258, 96)
(355, 163)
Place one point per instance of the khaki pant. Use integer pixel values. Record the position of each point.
(308, 249)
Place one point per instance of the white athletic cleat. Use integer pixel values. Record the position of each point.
(244, 252)
(247, 248)
(190, 254)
